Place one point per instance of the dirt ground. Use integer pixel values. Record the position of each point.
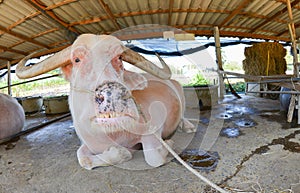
(251, 149)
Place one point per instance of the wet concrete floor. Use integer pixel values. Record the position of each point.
(243, 145)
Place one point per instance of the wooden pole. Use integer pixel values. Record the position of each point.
(219, 61)
(293, 35)
(9, 78)
(34, 128)
(294, 48)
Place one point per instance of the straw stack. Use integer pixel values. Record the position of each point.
(265, 59)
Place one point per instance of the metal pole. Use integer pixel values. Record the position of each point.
(8, 78)
(219, 60)
(28, 81)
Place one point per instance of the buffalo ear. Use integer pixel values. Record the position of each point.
(135, 81)
(67, 71)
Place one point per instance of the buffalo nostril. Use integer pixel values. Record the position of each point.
(100, 98)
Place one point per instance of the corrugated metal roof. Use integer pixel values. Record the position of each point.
(50, 25)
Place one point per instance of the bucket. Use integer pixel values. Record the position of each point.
(56, 105)
(31, 104)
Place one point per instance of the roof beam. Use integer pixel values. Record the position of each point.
(147, 12)
(155, 34)
(229, 27)
(22, 20)
(13, 50)
(58, 4)
(5, 58)
(282, 11)
(238, 34)
(235, 12)
(51, 15)
(297, 25)
(109, 13)
(22, 37)
(13, 62)
(166, 11)
(171, 4)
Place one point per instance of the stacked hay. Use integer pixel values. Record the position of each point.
(265, 59)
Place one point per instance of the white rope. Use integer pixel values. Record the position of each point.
(168, 148)
(189, 167)
(82, 90)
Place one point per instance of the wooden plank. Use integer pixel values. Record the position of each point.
(278, 80)
(291, 108)
(109, 13)
(52, 16)
(219, 60)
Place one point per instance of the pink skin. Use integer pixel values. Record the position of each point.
(12, 117)
(117, 64)
(110, 124)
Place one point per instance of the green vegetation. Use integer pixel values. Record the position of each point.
(35, 88)
(237, 86)
(198, 80)
(232, 66)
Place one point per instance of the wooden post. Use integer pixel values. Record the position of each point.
(291, 108)
(293, 35)
(219, 61)
(294, 48)
(8, 79)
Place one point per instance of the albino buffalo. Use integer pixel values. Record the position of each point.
(12, 116)
(115, 110)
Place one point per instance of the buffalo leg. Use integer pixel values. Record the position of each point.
(155, 153)
(186, 126)
(114, 155)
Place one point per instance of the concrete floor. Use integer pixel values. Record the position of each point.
(263, 158)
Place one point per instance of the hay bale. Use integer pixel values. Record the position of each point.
(258, 55)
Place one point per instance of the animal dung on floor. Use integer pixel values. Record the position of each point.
(200, 159)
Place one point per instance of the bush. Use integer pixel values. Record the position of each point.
(238, 87)
(198, 80)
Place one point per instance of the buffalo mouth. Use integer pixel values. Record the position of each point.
(115, 106)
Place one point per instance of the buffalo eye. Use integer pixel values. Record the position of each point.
(77, 60)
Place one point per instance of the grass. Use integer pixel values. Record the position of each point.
(45, 87)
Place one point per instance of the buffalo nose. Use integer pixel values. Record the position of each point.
(99, 99)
